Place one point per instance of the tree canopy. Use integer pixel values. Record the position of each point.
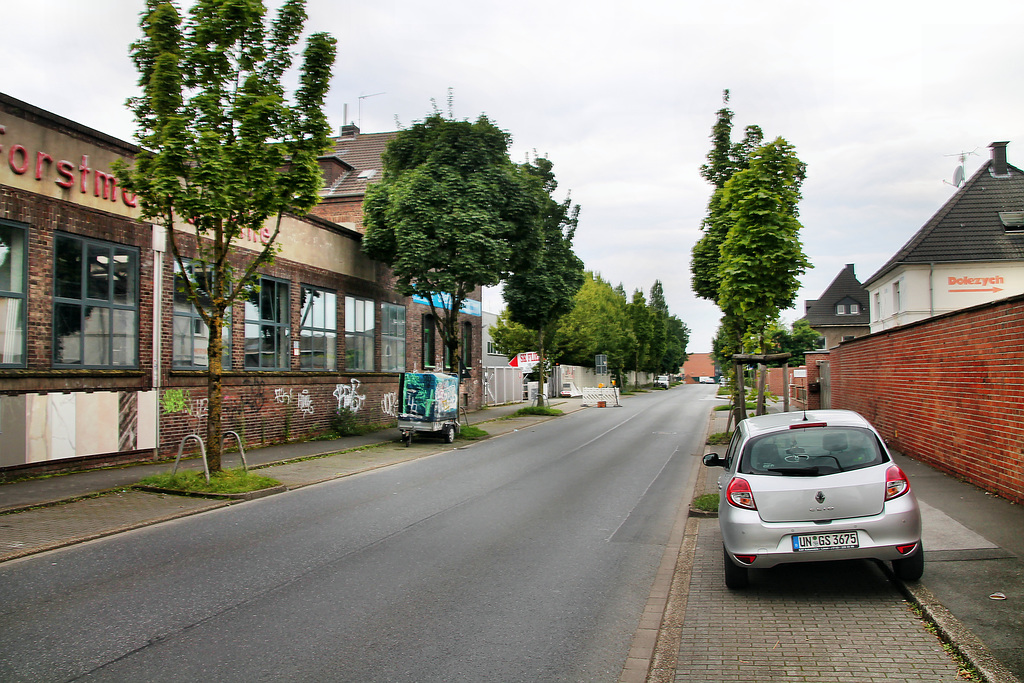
(451, 213)
(223, 148)
(542, 291)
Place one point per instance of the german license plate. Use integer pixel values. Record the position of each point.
(846, 539)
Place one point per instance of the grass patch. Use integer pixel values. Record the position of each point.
(472, 433)
(536, 410)
(707, 502)
(225, 481)
(719, 438)
(728, 406)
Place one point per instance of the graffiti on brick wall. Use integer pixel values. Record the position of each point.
(349, 397)
(389, 404)
(174, 401)
(304, 402)
(253, 394)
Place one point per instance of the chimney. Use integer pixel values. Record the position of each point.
(349, 130)
(999, 167)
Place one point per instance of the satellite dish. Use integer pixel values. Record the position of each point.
(958, 176)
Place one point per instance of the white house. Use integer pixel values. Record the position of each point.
(970, 252)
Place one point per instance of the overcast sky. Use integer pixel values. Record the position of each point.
(878, 98)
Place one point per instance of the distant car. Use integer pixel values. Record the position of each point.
(814, 486)
(707, 380)
(661, 381)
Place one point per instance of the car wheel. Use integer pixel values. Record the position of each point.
(448, 433)
(735, 577)
(910, 568)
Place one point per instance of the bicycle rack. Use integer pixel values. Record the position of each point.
(202, 450)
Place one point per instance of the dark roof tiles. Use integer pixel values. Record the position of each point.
(968, 227)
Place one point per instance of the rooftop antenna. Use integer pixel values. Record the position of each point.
(960, 174)
(360, 108)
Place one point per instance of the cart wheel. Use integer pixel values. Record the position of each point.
(448, 433)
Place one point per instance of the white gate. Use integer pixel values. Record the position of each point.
(503, 384)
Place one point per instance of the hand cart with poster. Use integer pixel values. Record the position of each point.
(429, 403)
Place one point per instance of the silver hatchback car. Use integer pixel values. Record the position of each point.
(814, 486)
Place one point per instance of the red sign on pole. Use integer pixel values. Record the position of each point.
(524, 359)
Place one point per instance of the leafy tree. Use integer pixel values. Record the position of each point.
(797, 340)
(596, 324)
(451, 213)
(510, 337)
(677, 337)
(542, 292)
(762, 257)
(222, 147)
(724, 160)
(642, 327)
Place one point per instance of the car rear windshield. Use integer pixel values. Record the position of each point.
(812, 452)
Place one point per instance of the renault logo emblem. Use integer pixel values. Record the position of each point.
(820, 497)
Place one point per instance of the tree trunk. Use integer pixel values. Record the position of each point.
(214, 394)
(540, 369)
(739, 399)
(762, 372)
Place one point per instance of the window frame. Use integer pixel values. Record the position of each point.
(280, 328)
(20, 297)
(356, 340)
(86, 303)
(328, 332)
(393, 337)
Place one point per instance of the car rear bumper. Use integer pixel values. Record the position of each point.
(878, 536)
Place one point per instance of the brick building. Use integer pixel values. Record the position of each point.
(101, 361)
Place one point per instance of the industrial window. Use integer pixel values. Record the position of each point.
(318, 330)
(13, 269)
(95, 304)
(359, 329)
(190, 336)
(392, 338)
(267, 326)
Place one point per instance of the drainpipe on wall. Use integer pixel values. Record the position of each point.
(931, 290)
(159, 248)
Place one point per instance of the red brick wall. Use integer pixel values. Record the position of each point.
(698, 365)
(948, 391)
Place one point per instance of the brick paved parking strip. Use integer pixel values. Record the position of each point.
(836, 621)
(55, 526)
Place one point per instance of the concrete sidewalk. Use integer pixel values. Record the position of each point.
(974, 553)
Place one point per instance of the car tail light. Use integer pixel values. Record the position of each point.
(896, 483)
(746, 559)
(906, 549)
(739, 495)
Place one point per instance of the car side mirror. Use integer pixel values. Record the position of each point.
(714, 460)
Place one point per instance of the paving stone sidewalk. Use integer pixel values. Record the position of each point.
(802, 624)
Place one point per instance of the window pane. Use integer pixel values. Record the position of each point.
(252, 345)
(12, 259)
(67, 333)
(330, 311)
(181, 341)
(68, 269)
(98, 273)
(96, 340)
(12, 331)
(330, 351)
(123, 338)
(124, 278)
